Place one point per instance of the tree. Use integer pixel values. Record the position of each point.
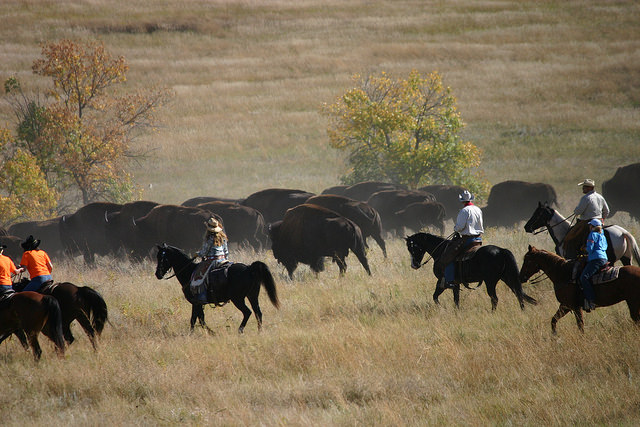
(403, 131)
(82, 141)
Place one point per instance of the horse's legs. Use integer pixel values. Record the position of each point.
(86, 325)
(35, 345)
(253, 300)
(239, 303)
(456, 295)
(197, 313)
(562, 310)
(491, 291)
(437, 293)
(579, 320)
(342, 265)
(634, 311)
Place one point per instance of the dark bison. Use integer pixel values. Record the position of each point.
(180, 226)
(417, 216)
(388, 202)
(272, 203)
(336, 189)
(363, 190)
(308, 233)
(448, 196)
(195, 201)
(14, 249)
(359, 212)
(48, 231)
(242, 224)
(513, 201)
(622, 191)
(120, 227)
(84, 232)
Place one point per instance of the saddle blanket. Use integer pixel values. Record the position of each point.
(605, 276)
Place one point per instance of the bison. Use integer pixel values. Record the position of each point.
(363, 190)
(272, 203)
(179, 226)
(336, 189)
(359, 212)
(448, 196)
(120, 225)
(308, 233)
(195, 201)
(513, 201)
(388, 202)
(84, 232)
(48, 231)
(622, 190)
(242, 224)
(417, 216)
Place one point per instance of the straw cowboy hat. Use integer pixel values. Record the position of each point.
(587, 183)
(213, 225)
(465, 196)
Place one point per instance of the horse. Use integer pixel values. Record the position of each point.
(80, 303)
(243, 282)
(559, 270)
(489, 265)
(26, 314)
(622, 245)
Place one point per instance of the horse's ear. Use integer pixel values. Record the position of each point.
(539, 204)
(530, 247)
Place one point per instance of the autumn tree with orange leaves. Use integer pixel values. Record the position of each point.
(81, 141)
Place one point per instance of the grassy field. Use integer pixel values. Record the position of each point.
(549, 90)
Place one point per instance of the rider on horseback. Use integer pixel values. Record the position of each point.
(597, 258)
(215, 253)
(592, 205)
(7, 269)
(469, 232)
(37, 262)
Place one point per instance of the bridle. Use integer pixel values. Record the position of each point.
(430, 257)
(547, 226)
(162, 264)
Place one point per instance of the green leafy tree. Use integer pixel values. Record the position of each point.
(403, 131)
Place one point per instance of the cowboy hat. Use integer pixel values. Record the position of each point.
(213, 225)
(587, 183)
(465, 196)
(30, 244)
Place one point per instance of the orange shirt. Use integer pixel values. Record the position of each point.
(37, 263)
(7, 268)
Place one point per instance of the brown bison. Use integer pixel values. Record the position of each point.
(363, 190)
(359, 212)
(622, 190)
(336, 189)
(388, 202)
(448, 196)
(308, 233)
(272, 203)
(84, 232)
(195, 201)
(180, 226)
(120, 227)
(14, 249)
(48, 231)
(513, 201)
(242, 224)
(417, 216)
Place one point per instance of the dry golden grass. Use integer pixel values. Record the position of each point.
(549, 90)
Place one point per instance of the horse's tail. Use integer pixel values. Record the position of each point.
(631, 241)
(511, 277)
(54, 321)
(94, 306)
(261, 274)
(358, 248)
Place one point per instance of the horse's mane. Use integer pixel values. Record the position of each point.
(552, 258)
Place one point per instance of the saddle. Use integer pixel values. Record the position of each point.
(6, 295)
(607, 273)
(461, 270)
(46, 287)
(207, 281)
(469, 252)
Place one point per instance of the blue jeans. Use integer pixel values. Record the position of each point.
(590, 269)
(450, 269)
(36, 283)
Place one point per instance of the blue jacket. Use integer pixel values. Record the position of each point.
(596, 246)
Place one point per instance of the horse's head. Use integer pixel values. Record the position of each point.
(164, 264)
(416, 250)
(540, 218)
(530, 265)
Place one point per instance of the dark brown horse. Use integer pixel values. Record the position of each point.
(26, 314)
(243, 282)
(80, 303)
(625, 288)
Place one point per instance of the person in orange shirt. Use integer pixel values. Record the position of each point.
(7, 269)
(37, 263)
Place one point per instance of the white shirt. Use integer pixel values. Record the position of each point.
(469, 221)
(592, 205)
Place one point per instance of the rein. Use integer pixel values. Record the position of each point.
(542, 230)
(430, 257)
(180, 270)
(538, 279)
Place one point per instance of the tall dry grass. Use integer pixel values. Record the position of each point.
(548, 89)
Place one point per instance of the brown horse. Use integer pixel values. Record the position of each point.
(625, 288)
(31, 313)
(80, 303)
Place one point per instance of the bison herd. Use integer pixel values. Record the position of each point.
(299, 226)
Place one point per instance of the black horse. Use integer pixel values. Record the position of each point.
(242, 282)
(489, 264)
